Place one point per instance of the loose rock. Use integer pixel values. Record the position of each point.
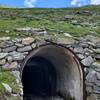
(33, 45)
(2, 62)
(91, 77)
(4, 38)
(65, 40)
(9, 59)
(96, 66)
(68, 35)
(80, 56)
(24, 49)
(97, 57)
(17, 75)
(79, 50)
(7, 87)
(98, 76)
(19, 45)
(13, 65)
(27, 41)
(97, 51)
(3, 55)
(92, 38)
(9, 49)
(6, 44)
(17, 56)
(0, 49)
(87, 61)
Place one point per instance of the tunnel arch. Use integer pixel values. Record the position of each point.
(40, 73)
(68, 69)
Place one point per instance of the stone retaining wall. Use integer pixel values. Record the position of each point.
(13, 51)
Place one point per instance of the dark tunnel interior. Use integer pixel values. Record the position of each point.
(39, 77)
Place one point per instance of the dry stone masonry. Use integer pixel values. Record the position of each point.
(87, 49)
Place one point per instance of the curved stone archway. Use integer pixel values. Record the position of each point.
(68, 76)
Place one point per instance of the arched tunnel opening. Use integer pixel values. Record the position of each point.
(52, 70)
(41, 77)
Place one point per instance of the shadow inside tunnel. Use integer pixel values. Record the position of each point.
(39, 78)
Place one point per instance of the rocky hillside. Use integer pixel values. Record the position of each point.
(21, 30)
(76, 21)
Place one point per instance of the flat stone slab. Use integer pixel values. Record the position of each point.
(17, 55)
(6, 44)
(9, 49)
(4, 38)
(24, 49)
(3, 55)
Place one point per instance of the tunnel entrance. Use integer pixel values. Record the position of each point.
(51, 70)
(39, 78)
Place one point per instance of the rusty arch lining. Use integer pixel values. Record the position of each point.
(68, 68)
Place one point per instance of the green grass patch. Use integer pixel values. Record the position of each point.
(8, 78)
(49, 18)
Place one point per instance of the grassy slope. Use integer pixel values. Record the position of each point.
(50, 18)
